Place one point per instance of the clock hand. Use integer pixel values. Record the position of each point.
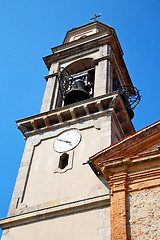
(61, 140)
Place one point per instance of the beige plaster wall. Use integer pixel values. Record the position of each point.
(116, 133)
(79, 182)
(93, 224)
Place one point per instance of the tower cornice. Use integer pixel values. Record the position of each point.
(85, 110)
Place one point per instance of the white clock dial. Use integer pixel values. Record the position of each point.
(67, 141)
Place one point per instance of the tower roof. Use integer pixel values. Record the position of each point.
(87, 37)
(86, 30)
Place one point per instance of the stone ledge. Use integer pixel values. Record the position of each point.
(55, 211)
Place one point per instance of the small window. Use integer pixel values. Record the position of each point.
(63, 161)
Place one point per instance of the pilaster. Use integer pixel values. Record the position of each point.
(103, 72)
(117, 182)
(51, 90)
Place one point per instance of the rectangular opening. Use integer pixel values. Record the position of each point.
(40, 123)
(92, 108)
(53, 119)
(66, 116)
(79, 112)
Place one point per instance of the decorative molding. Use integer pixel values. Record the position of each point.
(82, 111)
(130, 163)
(138, 142)
(80, 56)
(40, 214)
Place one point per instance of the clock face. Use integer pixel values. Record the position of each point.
(67, 141)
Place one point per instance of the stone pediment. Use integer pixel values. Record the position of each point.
(139, 146)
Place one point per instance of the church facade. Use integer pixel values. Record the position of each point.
(61, 191)
(132, 169)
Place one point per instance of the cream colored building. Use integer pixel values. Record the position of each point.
(57, 195)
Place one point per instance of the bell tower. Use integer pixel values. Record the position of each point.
(87, 106)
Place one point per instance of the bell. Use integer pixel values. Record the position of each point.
(78, 92)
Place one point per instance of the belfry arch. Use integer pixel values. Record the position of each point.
(80, 65)
(76, 81)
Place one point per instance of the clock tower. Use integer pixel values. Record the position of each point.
(87, 106)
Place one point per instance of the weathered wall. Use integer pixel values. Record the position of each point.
(143, 215)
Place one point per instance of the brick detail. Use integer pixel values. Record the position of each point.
(118, 206)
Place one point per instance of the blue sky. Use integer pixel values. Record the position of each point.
(29, 29)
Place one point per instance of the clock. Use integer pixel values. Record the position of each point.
(67, 140)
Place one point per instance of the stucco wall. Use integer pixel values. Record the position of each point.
(79, 182)
(93, 224)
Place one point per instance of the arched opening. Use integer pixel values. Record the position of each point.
(77, 81)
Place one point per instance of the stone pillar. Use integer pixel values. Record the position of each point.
(50, 91)
(103, 72)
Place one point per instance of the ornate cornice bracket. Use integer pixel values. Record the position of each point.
(117, 179)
